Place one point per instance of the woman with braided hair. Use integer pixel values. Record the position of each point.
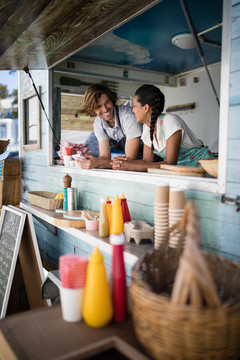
(166, 135)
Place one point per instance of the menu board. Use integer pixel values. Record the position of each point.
(11, 229)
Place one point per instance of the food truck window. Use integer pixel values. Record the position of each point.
(210, 128)
(77, 128)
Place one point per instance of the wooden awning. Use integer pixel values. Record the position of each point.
(38, 34)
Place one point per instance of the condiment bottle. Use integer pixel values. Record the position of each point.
(67, 180)
(103, 219)
(97, 304)
(125, 210)
(118, 277)
(117, 225)
(109, 210)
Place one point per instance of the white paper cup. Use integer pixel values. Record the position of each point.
(67, 159)
(71, 303)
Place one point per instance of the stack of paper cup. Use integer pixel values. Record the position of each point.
(161, 202)
(176, 210)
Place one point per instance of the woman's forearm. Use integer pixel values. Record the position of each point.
(134, 165)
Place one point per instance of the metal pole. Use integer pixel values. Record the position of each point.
(198, 45)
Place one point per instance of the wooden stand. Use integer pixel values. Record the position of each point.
(10, 183)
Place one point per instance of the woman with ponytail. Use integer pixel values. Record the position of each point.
(166, 135)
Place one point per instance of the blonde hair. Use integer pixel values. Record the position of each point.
(92, 96)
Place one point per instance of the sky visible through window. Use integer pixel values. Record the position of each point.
(9, 79)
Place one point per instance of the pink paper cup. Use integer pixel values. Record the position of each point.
(72, 270)
(92, 225)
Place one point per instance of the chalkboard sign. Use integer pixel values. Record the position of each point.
(31, 264)
(11, 229)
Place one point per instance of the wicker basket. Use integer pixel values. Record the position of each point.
(169, 330)
(45, 200)
(210, 166)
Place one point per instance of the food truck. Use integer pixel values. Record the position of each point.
(190, 53)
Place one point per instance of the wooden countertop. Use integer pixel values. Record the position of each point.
(42, 334)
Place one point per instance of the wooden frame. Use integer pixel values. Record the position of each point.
(100, 347)
(31, 263)
(31, 120)
(11, 229)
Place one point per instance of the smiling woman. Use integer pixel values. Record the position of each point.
(167, 136)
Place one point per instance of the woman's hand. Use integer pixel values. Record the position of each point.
(120, 162)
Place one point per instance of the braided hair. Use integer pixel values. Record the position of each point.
(151, 95)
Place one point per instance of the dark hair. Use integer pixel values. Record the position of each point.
(92, 96)
(151, 95)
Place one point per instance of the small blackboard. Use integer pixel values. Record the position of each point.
(31, 264)
(11, 229)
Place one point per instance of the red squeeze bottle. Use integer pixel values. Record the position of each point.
(125, 210)
(118, 275)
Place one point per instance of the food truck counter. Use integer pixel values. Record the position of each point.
(43, 334)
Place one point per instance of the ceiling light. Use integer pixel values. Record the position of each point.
(184, 41)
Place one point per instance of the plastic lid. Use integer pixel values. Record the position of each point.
(102, 201)
(117, 239)
(96, 256)
(122, 197)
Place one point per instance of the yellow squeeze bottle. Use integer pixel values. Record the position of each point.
(117, 224)
(97, 303)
